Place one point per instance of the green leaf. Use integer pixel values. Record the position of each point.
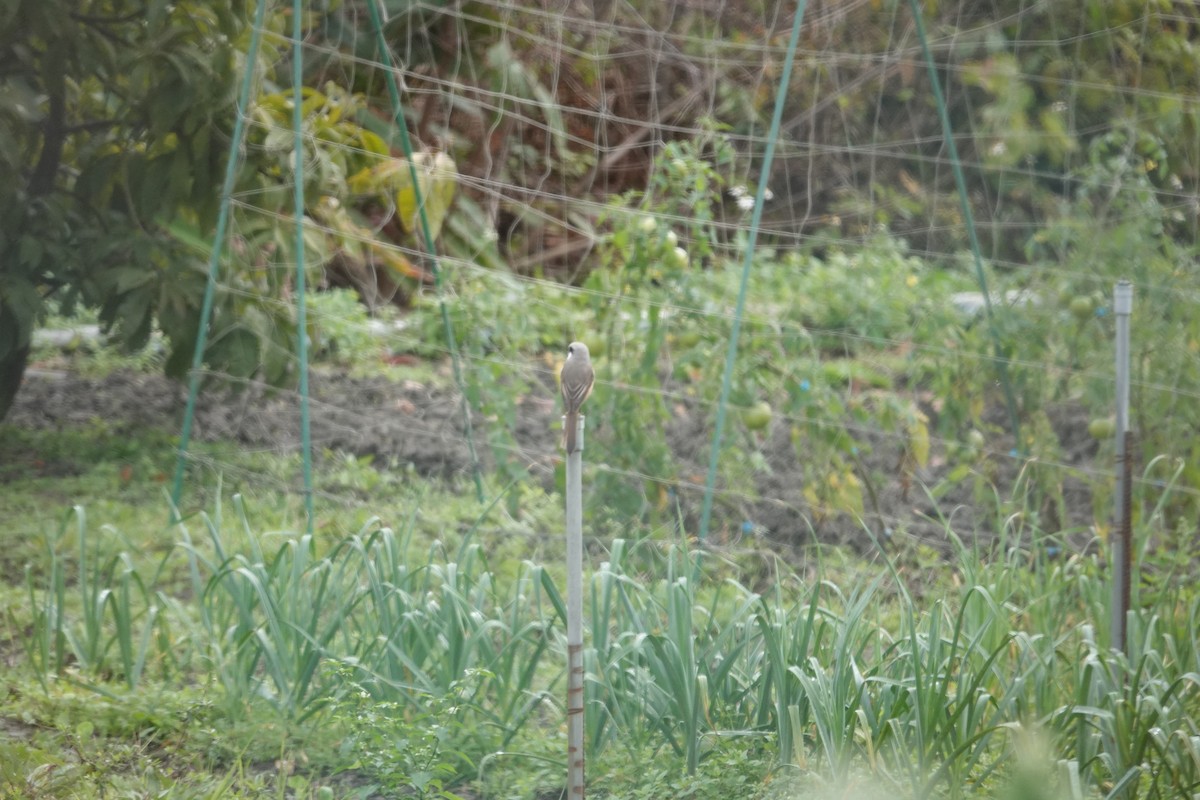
(134, 318)
(124, 279)
(372, 143)
(18, 99)
(95, 182)
(277, 356)
(180, 176)
(21, 302)
(30, 252)
(188, 234)
(279, 140)
(918, 439)
(156, 13)
(237, 352)
(171, 101)
(437, 177)
(179, 362)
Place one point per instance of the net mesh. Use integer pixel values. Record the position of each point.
(589, 170)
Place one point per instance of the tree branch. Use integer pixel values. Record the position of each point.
(91, 125)
(54, 129)
(94, 19)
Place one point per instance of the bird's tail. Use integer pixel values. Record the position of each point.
(572, 430)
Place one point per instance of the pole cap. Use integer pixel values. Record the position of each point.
(1123, 297)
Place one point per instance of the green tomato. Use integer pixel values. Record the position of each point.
(681, 258)
(1102, 428)
(1082, 308)
(757, 416)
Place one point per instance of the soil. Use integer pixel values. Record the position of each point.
(419, 424)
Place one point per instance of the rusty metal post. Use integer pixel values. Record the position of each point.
(575, 729)
(1121, 539)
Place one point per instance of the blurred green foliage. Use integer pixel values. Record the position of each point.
(115, 125)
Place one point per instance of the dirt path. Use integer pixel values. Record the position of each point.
(418, 424)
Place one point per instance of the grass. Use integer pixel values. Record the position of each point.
(262, 662)
(413, 644)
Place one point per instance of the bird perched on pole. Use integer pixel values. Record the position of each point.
(576, 381)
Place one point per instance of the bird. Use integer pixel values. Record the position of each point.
(577, 380)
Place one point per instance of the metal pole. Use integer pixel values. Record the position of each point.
(764, 175)
(214, 257)
(575, 773)
(374, 10)
(960, 181)
(301, 299)
(1122, 537)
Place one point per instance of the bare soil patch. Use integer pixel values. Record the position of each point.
(422, 425)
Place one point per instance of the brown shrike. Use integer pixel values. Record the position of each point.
(577, 379)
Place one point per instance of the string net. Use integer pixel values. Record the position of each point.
(590, 172)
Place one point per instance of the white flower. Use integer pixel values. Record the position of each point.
(745, 202)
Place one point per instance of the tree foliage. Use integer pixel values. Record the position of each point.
(114, 117)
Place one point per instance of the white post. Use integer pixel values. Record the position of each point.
(1122, 530)
(575, 773)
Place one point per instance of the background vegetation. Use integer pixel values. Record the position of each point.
(588, 173)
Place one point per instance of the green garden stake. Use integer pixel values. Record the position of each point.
(214, 258)
(751, 239)
(301, 301)
(385, 55)
(969, 221)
